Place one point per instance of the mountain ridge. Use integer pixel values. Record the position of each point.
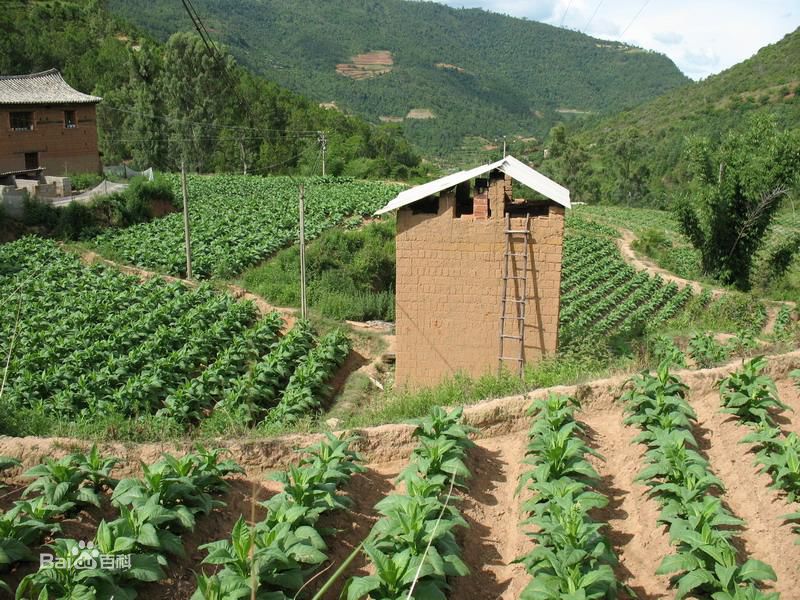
(504, 75)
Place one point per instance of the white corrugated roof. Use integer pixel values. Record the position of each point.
(47, 87)
(509, 165)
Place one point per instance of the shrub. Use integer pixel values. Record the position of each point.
(84, 181)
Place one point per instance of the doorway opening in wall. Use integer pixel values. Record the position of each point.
(31, 160)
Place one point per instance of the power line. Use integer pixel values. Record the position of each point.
(564, 16)
(596, 8)
(646, 2)
(296, 132)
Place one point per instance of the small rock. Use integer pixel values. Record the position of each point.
(333, 423)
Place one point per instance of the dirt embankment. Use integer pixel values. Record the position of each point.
(491, 506)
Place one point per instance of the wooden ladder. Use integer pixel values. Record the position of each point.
(519, 283)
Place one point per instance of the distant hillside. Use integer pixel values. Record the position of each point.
(653, 135)
(161, 100)
(441, 73)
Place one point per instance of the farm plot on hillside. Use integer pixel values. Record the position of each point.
(641, 489)
(238, 221)
(601, 295)
(88, 343)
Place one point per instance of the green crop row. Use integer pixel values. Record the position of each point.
(572, 558)
(706, 563)
(412, 547)
(274, 558)
(88, 343)
(125, 552)
(239, 221)
(753, 398)
(602, 295)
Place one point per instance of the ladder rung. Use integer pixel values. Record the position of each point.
(511, 337)
(525, 231)
(514, 277)
(517, 301)
(517, 318)
(512, 358)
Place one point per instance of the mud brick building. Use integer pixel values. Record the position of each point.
(478, 272)
(46, 123)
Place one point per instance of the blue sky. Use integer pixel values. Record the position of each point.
(702, 37)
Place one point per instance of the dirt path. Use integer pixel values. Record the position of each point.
(494, 539)
(638, 542)
(625, 245)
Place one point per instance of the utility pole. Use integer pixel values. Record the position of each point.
(244, 157)
(303, 300)
(504, 146)
(324, 143)
(186, 236)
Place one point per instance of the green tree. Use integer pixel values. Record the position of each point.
(735, 191)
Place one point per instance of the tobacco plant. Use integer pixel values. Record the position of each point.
(72, 481)
(276, 556)
(571, 558)
(706, 562)
(750, 395)
(413, 547)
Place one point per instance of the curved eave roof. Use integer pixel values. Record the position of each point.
(47, 87)
(509, 165)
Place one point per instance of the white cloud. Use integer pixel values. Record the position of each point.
(702, 38)
(668, 37)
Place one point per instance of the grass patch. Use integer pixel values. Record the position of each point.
(350, 274)
(398, 405)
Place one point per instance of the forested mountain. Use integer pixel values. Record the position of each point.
(442, 73)
(173, 100)
(637, 156)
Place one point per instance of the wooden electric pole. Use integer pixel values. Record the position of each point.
(186, 237)
(303, 299)
(324, 143)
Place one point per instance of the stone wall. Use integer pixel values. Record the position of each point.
(449, 286)
(61, 150)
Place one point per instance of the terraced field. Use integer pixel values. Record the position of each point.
(601, 295)
(594, 465)
(238, 221)
(88, 342)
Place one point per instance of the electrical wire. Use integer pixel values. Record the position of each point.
(596, 8)
(564, 16)
(299, 132)
(628, 26)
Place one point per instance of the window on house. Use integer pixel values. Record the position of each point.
(533, 208)
(70, 119)
(464, 203)
(427, 206)
(22, 121)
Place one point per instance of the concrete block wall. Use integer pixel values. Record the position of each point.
(449, 285)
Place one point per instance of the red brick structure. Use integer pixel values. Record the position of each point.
(452, 243)
(46, 123)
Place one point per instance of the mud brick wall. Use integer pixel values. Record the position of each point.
(449, 286)
(61, 150)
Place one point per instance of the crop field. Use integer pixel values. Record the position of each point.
(88, 342)
(669, 484)
(238, 221)
(601, 295)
